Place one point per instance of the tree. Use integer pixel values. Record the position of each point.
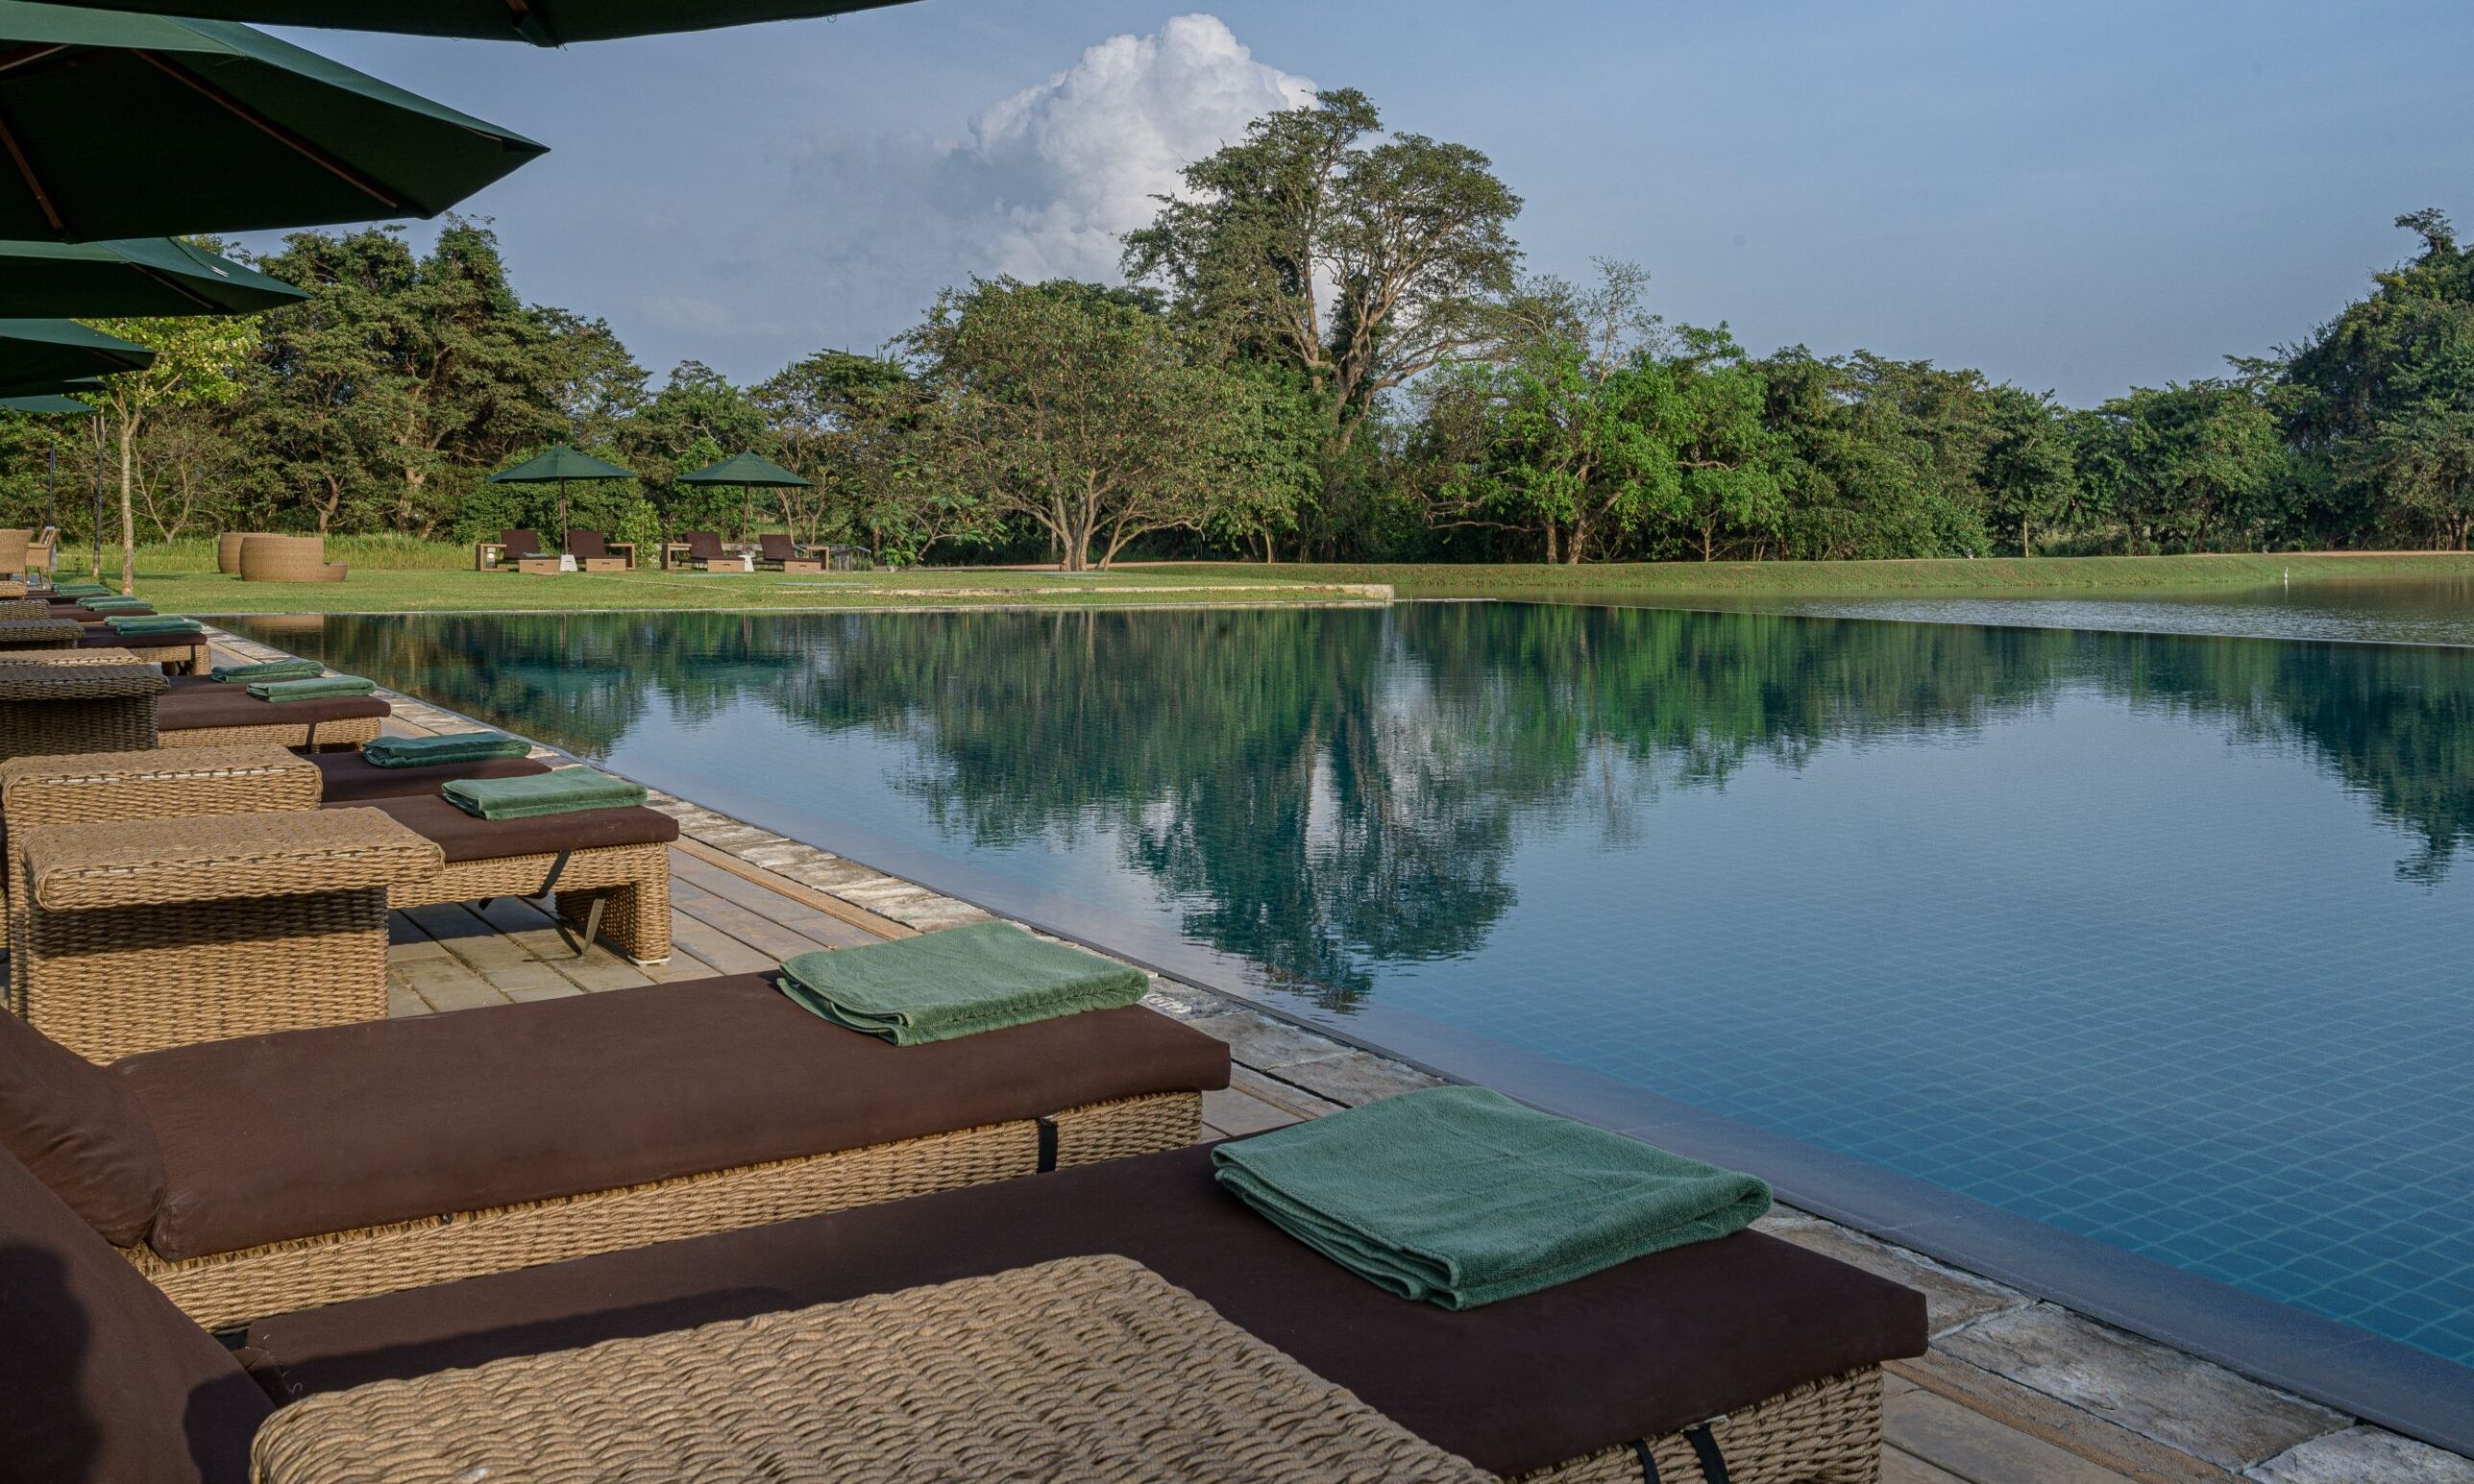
(1081, 415)
(2424, 459)
(198, 363)
(1571, 416)
(2186, 467)
(1360, 267)
(2027, 473)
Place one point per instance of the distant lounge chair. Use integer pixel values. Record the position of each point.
(516, 545)
(704, 552)
(595, 551)
(781, 554)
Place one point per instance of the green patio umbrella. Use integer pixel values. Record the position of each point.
(556, 467)
(542, 22)
(38, 355)
(116, 124)
(50, 404)
(747, 470)
(142, 276)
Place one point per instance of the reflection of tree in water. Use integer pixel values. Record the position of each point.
(1327, 791)
(577, 681)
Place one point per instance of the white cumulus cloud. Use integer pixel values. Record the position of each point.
(1043, 185)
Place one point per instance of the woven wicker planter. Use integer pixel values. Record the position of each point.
(287, 559)
(230, 1289)
(228, 549)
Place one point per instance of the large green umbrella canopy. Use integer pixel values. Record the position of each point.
(557, 465)
(144, 276)
(46, 404)
(39, 356)
(135, 125)
(542, 22)
(746, 471)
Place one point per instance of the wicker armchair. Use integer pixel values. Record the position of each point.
(44, 553)
(287, 559)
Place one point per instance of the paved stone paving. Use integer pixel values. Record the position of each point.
(2014, 1391)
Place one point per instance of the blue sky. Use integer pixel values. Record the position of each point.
(2080, 197)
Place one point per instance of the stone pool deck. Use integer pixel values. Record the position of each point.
(2014, 1391)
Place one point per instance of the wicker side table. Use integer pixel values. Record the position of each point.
(55, 708)
(1086, 1368)
(99, 787)
(40, 633)
(142, 934)
(77, 656)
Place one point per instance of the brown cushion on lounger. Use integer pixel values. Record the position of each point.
(351, 778)
(462, 836)
(276, 1137)
(1641, 1349)
(100, 1378)
(75, 1125)
(231, 705)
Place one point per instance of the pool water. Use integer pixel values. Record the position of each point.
(2163, 940)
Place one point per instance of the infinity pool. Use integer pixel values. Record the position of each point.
(2161, 939)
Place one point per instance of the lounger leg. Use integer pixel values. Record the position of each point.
(635, 916)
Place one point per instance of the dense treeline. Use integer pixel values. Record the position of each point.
(1328, 349)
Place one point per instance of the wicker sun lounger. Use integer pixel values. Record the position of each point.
(1089, 1368)
(606, 871)
(42, 713)
(252, 1177)
(1750, 1350)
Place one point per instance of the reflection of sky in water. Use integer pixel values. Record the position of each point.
(2159, 939)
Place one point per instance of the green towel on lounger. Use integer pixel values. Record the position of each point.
(433, 751)
(1462, 1197)
(270, 670)
(958, 982)
(562, 791)
(155, 623)
(79, 588)
(325, 689)
(126, 605)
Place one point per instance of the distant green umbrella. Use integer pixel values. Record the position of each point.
(556, 467)
(50, 405)
(542, 22)
(46, 405)
(39, 356)
(142, 276)
(138, 126)
(747, 470)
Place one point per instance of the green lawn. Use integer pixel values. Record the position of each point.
(1990, 576)
(399, 576)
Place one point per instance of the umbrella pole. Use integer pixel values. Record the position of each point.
(52, 500)
(98, 503)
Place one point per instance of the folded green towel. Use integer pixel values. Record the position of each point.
(433, 751)
(269, 670)
(154, 624)
(319, 690)
(114, 605)
(79, 588)
(958, 982)
(1461, 1196)
(562, 791)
